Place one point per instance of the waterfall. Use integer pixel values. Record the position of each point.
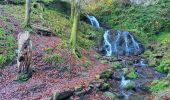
(125, 34)
(116, 41)
(93, 21)
(107, 45)
(135, 44)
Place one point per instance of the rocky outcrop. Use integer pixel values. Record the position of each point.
(145, 2)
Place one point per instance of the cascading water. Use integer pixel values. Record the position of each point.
(93, 21)
(122, 43)
(135, 44)
(117, 42)
(107, 44)
(125, 34)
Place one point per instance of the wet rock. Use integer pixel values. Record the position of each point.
(128, 85)
(117, 75)
(106, 74)
(103, 86)
(110, 95)
(63, 95)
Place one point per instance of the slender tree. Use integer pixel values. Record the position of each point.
(75, 25)
(72, 10)
(27, 13)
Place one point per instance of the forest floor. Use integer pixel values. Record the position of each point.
(46, 79)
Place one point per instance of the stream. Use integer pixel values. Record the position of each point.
(125, 47)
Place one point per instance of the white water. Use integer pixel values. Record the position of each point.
(116, 41)
(123, 81)
(94, 22)
(135, 44)
(126, 42)
(107, 44)
(130, 46)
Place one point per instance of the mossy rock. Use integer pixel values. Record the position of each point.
(110, 95)
(158, 85)
(103, 87)
(106, 74)
(63, 95)
(116, 65)
(130, 73)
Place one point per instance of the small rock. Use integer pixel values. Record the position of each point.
(63, 95)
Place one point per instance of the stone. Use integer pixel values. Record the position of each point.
(110, 95)
(63, 95)
(103, 86)
(106, 74)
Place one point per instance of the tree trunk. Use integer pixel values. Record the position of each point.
(75, 26)
(24, 60)
(27, 13)
(72, 10)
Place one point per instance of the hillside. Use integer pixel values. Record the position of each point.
(122, 51)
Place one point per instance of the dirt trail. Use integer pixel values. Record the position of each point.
(46, 79)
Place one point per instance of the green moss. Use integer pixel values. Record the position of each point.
(130, 73)
(158, 85)
(163, 37)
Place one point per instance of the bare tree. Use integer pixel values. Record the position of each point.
(27, 13)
